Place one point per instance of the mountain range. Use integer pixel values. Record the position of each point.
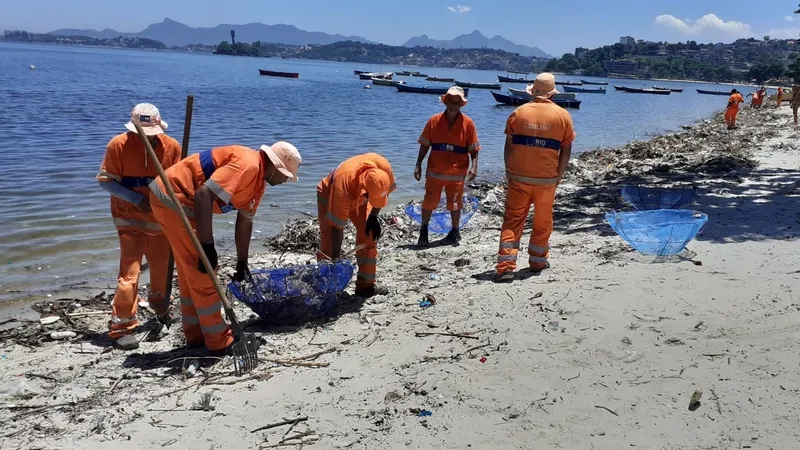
(173, 33)
(476, 39)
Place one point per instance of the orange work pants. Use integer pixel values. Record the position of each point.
(367, 257)
(133, 245)
(200, 304)
(730, 116)
(518, 204)
(454, 192)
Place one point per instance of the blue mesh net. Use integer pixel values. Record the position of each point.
(661, 232)
(649, 198)
(295, 294)
(440, 219)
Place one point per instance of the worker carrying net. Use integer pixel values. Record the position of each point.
(295, 294)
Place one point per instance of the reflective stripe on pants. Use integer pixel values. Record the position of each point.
(133, 245)
(367, 257)
(518, 203)
(200, 312)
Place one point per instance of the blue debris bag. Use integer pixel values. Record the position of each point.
(650, 198)
(295, 294)
(440, 219)
(660, 232)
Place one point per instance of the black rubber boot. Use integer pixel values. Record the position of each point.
(423, 237)
(453, 237)
(372, 291)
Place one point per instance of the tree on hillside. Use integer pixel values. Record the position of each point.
(794, 70)
(233, 37)
(762, 72)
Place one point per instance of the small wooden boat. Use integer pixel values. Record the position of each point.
(358, 72)
(465, 84)
(641, 90)
(424, 89)
(385, 82)
(371, 75)
(403, 73)
(662, 88)
(272, 73)
(512, 100)
(601, 90)
(595, 83)
(445, 80)
(560, 96)
(569, 83)
(707, 92)
(515, 79)
(419, 75)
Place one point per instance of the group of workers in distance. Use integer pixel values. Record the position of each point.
(757, 101)
(537, 148)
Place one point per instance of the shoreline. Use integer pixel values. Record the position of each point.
(605, 342)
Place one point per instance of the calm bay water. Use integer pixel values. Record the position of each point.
(55, 228)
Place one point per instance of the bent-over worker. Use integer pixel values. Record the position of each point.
(453, 140)
(733, 108)
(216, 181)
(125, 173)
(355, 191)
(538, 145)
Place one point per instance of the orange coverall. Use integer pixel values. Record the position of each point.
(449, 160)
(779, 98)
(341, 196)
(733, 109)
(126, 162)
(235, 174)
(537, 130)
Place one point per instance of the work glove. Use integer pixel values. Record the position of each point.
(374, 226)
(211, 254)
(242, 272)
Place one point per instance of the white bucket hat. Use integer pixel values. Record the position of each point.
(146, 116)
(455, 91)
(544, 86)
(285, 157)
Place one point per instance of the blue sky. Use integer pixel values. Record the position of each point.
(554, 27)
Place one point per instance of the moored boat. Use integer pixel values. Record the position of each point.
(662, 88)
(515, 79)
(595, 83)
(569, 83)
(272, 73)
(465, 84)
(601, 90)
(445, 80)
(424, 89)
(385, 82)
(560, 96)
(708, 92)
(403, 73)
(358, 72)
(418, 74)
(513, 100)
(371, 75)
(641, 90)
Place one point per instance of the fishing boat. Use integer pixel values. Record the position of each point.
(419, 75)
(385, 82)
(513, 100)
(446, 80)
(424, 89)
(560, 96)
(465, 84)
(662, 88)
(516, 79)
(403, 73)
(703, 91)
(641, 90)
(595, 83)
(272, 73)
(358, 72)
(569, 83)
(371, 75)
(601, 90)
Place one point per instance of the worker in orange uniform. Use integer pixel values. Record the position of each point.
(538, 145)
(216, 181)
(453, 139)
(125, 173)
(779, 98)
(356, 191)
(733, 108)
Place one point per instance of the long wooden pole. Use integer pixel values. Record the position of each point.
(187, 128)
(237, 328)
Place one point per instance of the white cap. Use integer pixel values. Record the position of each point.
(146, 116)
(285, 157)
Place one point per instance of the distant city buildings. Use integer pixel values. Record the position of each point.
(627, 40)
(622, 67)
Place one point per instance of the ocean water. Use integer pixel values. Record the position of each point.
(55, 226)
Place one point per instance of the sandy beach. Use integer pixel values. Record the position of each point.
(602, 351)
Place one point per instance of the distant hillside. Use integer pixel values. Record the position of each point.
(174, 33)
(477, 40)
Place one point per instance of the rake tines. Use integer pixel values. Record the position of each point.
(245, 353)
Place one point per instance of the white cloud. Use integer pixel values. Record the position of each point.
(709, 22)
(459, 9)
(788, 18)
(784, 33)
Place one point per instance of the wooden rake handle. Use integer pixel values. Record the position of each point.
(188, 226)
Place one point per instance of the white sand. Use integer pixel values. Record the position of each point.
(627, 334)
